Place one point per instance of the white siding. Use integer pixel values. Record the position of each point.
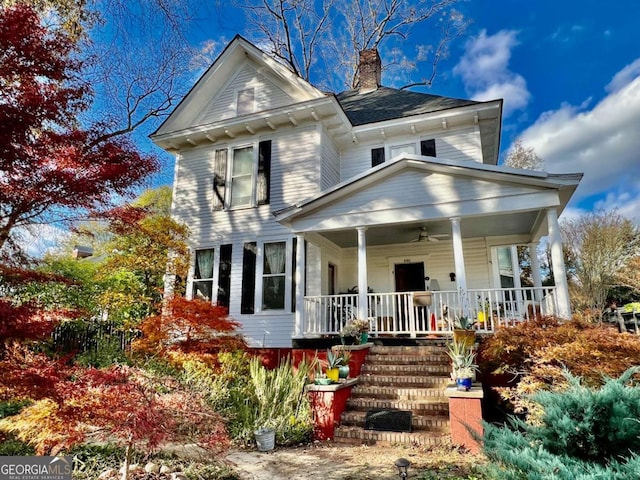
(223, 105)
(412, 188)
(294, 176)
(456, 144)
(295, 171)
(438, 265)
(330, 167)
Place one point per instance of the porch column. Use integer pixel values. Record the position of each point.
(557, 264)
(362, 273)
(300, 284)
(458, 256)
(535, 271)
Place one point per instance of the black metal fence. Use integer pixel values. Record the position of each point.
(92, 335)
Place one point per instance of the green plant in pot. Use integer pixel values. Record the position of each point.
(333, 362)
(345, 357)
(463, 366)
(464, 330)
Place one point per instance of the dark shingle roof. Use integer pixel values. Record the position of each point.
(388, 103)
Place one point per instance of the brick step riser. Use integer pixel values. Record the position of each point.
(435, 408)
(398, 398)
(406, 369)
(380, 350)
(406, 382)
(355, 435)
(408, 360)
(400, 391)
(431, 423)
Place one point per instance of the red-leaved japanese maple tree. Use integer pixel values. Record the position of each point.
(51, 164)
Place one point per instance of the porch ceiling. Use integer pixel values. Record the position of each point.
(522, 223)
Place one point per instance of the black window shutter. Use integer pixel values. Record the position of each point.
(428, 148)
(248, 295)
(224, 275)
(264, 172)
(219, 178)
(293, 275)
(377, 156)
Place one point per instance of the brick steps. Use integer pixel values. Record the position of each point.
(440, 381)
(420, 423)
(358, 436)
(396, 393)
(408, 378)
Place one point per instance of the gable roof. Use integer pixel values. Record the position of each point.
(564, 184)
(390, 103)
(239, 50)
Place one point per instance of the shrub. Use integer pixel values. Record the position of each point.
(539, 351)
(584, 433)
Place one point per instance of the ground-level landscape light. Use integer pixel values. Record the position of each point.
(403, 466)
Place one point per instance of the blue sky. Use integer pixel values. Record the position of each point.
(568, 71)
(569, 74)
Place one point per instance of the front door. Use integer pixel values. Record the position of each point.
(409, 277)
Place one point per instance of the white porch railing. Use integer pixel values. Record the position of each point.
(396, 313)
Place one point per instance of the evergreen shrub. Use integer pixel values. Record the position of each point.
(584, 433)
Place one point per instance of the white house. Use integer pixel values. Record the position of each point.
(308, 208)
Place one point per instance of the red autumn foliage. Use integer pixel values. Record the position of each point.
(119, 404)
(537, 352)
(189, 326)
(48, 164)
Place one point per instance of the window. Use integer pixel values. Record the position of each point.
(274, 275)
(246, 181)
(377, 156)
(242, 176)
(203, 274)
(396, 150)
(245, 102)
(428, 148)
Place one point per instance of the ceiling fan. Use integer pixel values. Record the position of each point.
(424, 236)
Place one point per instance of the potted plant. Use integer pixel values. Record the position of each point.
(356, 328)
(321, 379)
(464, 331)
(345, 357)
(333, 362)
(463, 366)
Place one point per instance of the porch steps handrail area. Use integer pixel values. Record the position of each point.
(400, 313)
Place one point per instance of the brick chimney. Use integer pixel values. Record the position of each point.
(370, 70)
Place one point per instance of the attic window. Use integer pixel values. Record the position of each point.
(246, 101)
(409, 148)
(377, 156)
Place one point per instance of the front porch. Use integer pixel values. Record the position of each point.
(404, 314)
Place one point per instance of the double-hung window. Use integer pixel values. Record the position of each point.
(274, 276)
(203, 274)
(241, 176)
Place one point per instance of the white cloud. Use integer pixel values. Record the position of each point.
(484, 68)
(602, 141)
(624, 76)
